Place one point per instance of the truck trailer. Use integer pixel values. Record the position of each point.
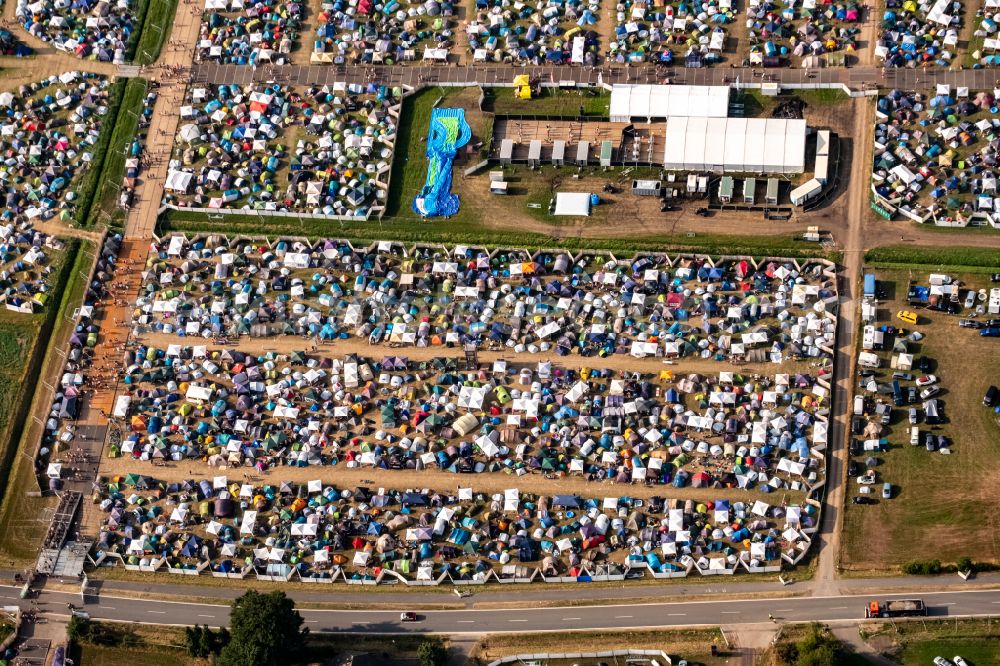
(896, 608)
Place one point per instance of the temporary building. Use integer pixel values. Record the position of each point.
(805, 192)
(607, 150)
(647, 102)
(506, 150)
(749, 190)
(772, 192)
(747, 145)
(572, 203)
(726, 189)
(582, 153)
(534, 152)
(558, 152)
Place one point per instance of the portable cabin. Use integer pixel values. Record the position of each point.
(822, 142)
(726, 189)
(749, 190)
(607, 148)
(646, 188)
(558, 152)
(506, 151)
(771, 198)
(582, 153)
(498, 187)
(534, 152)
(805, 192)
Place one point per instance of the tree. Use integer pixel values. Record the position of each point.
(265, 630)
(432, 653)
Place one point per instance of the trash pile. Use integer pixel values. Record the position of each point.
(46, 133)
(314, 531)
(806, 31)
(366, 32)
(85, 28)
(234, 32)
(592, 305)
(919, 33)
(695, 30)
(936, 156)
(320, 150)
(24, 266)
(557, 32)
(12, 46)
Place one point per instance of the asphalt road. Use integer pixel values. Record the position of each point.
(625, 616)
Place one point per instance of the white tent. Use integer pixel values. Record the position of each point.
(573, 203)
(645, 102)
(736, 145)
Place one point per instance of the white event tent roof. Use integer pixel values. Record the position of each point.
(645, 102)
(735, 145)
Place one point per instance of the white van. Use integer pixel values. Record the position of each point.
(859, 405)
(915, 436)
(868, 360)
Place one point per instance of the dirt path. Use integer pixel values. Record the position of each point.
(832, 521)
(865, 52)
(435, 479)
(620, 363)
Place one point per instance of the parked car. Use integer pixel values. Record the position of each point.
(911, 394)
(913, 415)
(990, 397)
(959, 661)
(930, 442)
(941, 661)
(907, 316)
(942, 442)
(924, 364)
(852, 468)
(867, 479)
(970, 323)
(914, 436)
(857, 425)
(970, 299)
(855, 447)
(887, 490)
(858, 499)
(928, 392)
(995, 277)
(991, 332)
(926, 380)
(990, 323)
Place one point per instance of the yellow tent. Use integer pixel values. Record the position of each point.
(522, 86)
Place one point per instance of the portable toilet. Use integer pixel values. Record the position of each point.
(749, 190)
(726, 189)
(534, 153)
(506, 151)
(772, 192)
(646, 188)
(692, 183)
(606, 149)
(582, 153)
(558, 152)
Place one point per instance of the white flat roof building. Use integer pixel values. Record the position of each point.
(735, 145)
(644, 102)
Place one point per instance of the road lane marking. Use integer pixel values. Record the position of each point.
(730, 612)
(465, 621)
(622, 617)
(517, 620)
(106, 608)
(785, 610)
(839, 608)
(676, 614)
(206, 616)
(566, 619)
(951, 604)
(158, 612)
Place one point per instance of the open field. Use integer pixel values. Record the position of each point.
(694, 645)
(916, 643)
(937, 508)
(551, 102)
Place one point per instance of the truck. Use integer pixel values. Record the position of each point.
(896, 608)
(869, 290)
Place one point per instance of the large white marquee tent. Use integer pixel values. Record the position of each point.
(645, 102)
(735, 145)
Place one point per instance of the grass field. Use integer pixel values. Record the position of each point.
(970, 259)
(20, 528)
(550, 102)
(87, 189)
(937, 511)
(96, 655)
(154, 18)
(105, 205)
(917, 643)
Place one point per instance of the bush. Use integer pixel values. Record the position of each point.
(922, 567)
(965, 564)
(432, 653)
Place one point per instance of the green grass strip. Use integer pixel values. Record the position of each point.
(87, 189)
